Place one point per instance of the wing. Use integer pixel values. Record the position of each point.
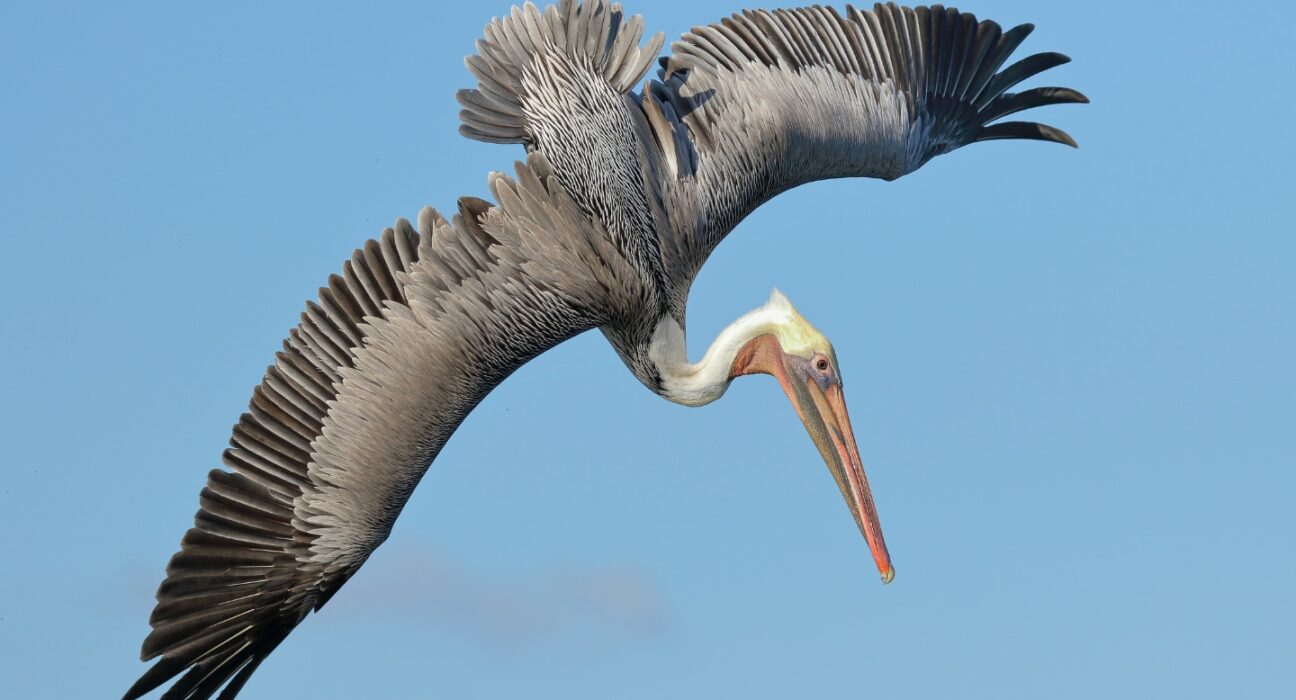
(557, 82)
(772, 100)
(384, 366)
(511, 66)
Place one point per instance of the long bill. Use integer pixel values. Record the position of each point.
(823, 410)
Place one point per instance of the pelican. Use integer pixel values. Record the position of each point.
(621, 198)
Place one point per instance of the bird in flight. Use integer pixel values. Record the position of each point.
(622, 196)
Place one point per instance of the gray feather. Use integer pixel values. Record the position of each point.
(420, 328)
(773, 100)
(591, 34)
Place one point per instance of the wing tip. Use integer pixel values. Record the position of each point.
(1029, 131)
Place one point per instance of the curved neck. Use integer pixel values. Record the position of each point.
(700, 383)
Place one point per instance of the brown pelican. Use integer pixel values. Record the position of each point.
(620, 200)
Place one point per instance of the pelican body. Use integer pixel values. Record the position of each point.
(622, 196)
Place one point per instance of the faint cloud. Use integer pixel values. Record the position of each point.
(578, 606)
(581, 607)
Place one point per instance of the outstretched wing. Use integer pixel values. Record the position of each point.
(384, 366)
(774, 99)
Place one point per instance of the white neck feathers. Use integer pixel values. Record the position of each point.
(698, 384)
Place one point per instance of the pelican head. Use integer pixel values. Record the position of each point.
(777, 340)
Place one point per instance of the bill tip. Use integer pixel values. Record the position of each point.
(889, 575)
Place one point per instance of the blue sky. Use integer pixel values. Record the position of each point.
(1070, 374)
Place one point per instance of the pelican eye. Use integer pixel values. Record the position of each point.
(821, 364)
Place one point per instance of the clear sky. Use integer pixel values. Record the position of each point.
(1071, 375)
